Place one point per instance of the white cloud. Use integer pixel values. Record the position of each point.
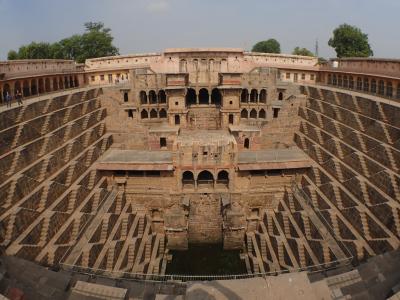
(157, 6)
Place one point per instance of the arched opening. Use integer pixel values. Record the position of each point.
(25, 89)
(187, 179)
(381, 87)
(177, 120)
(190, 97)
(182, 66)
(41, 86)
(17, 87)
(6, 90)
(398, 91)
(55, 84)
(152, 97)
(144, 114)
(153, 114)
(71, 81)
(345, 81)
(244, 97)
(253, 114)
(216, 97)
(203, 96)
(244, 114)
(205, 179)
(162, 97)
(126, 97)
(389, 90)
(163, 113)
(33, 87)
(263, 96)
(246, 143)
(47, 85)
(334, 80)
(359, 83)
(280, 96)
(223, 178)
(340, 80)
(230, 119)
(253, 95)
(351, 82)
(366, 85)
(373, 86)
(143, 97)
(262, 114)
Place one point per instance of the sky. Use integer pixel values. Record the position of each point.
(141, 26)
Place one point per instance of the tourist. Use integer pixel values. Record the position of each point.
(18, 96)
(8, 99)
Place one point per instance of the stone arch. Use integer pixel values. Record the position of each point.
(71, 82)
(244, 114)
(253, 95)
(41, 86)
(177, 120)
(381, 87)
(263, 96)
(190, 97)
(253, 114)
(223, 177)
(25, 88)
(152, 97)
(153, 114)
(389, 89)
(162, 97)
(205, 176)
(244, 97)
(33, 87)
(163, 113)
(373, 86)
(216, 97)
(187, 178)
(366, 84)
(61, 84)
(203, 96)
(47, 85)
(262, 114)
(55, 84)
(144, 114)
(143, 97)
(17, 87)
(246, 143)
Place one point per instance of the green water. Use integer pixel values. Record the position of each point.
(206, 260)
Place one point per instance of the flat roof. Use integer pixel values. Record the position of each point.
(117, 159)
(272, 159)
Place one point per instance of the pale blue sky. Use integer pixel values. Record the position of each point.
(153, 25)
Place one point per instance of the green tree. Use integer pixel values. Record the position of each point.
(302, 51)
(268, 46)
(12, 55)
(96, 41)
(350, 41)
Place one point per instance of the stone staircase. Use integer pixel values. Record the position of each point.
(17, 136)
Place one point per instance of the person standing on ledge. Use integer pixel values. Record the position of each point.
(8, 99)
(18, 96)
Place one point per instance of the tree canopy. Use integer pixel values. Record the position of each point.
(302, 51)
(350, 41)
(96, 41)
(268, 46)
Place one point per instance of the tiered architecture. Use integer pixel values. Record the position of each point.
(294, 164)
